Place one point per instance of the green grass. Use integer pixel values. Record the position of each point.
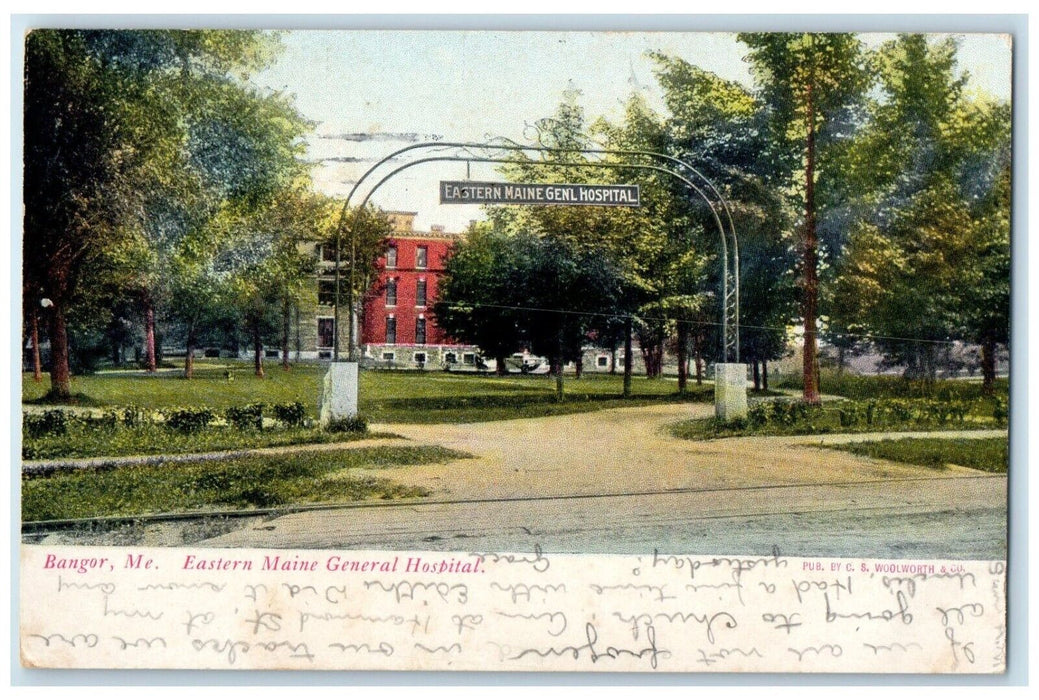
(230, 484)
(404, 397)
(985, 454)
(82, 441)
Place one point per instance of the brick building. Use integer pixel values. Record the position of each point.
(398, 327)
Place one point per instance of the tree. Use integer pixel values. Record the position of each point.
(586, 232)
(120, 128)
(927, 259)
(478, 274)
(363, 233)
(505, 289)
(721, 128)
(810, 84)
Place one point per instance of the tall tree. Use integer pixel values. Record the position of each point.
(721, 128)
(117, 123)
(474, 290)
(927, 259)
(810, 84)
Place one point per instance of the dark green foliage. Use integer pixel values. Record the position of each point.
(1000, 411)
(54, 422)
(189, 420)
(134, 416)
(290, 414)
(351, 424)
(800, 418)
(248, 417)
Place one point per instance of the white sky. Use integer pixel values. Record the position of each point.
(470, 85)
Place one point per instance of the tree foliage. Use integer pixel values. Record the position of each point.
(134, 142)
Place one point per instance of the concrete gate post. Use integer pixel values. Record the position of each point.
(339, 392)
(730, 391)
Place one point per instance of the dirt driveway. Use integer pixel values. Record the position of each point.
(616, 481)
(628, 450)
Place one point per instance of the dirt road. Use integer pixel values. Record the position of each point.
(616, 481)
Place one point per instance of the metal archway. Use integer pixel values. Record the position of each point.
(729, 277)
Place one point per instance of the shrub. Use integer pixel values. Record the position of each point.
(106, 421)
(248, 417)
(134, 416)
(757, 415)
(350, 424)
(849, 414)
(291, 415)
(1000, 411)
(188, 420)
(55, 422)
(871, 413)
(780, 412)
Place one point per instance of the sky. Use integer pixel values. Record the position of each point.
(372, 92)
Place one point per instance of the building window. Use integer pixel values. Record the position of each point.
(450, 359)
(389, 356)
(602, 361)
(326, 292)
(391, 292)
(328, 252)
(391, 330)
(468, 358)
(420, 359)
(420, 293)
(420, 331)
(421, 257)
(325, 332)
(391, 257)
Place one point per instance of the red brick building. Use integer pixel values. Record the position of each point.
(398, 327)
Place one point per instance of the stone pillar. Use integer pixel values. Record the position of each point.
(730, 391)
(339, 392)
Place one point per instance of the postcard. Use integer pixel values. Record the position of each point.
(515, 351)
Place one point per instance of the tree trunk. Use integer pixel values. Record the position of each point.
(286, 328)
(764, 375)
(257, 351)
(299, 343)
(559, 367)
(37, 365)
(988, 365)
(683, 357)
(652, 357)
(189, 359)
(810, 368)
(757, 376)
(613, 360)
(500, 368)
(578, 368)
(627, 357)
(61, 378)
(149, 336)
(698, 363)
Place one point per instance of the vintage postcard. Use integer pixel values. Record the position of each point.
(515, 351)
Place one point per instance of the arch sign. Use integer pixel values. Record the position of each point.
(468, 192)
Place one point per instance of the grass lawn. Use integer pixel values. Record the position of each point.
(81, 441)
(986, 454)
(229, 484)
(404, 397)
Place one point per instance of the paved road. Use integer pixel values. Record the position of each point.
(615, 481)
